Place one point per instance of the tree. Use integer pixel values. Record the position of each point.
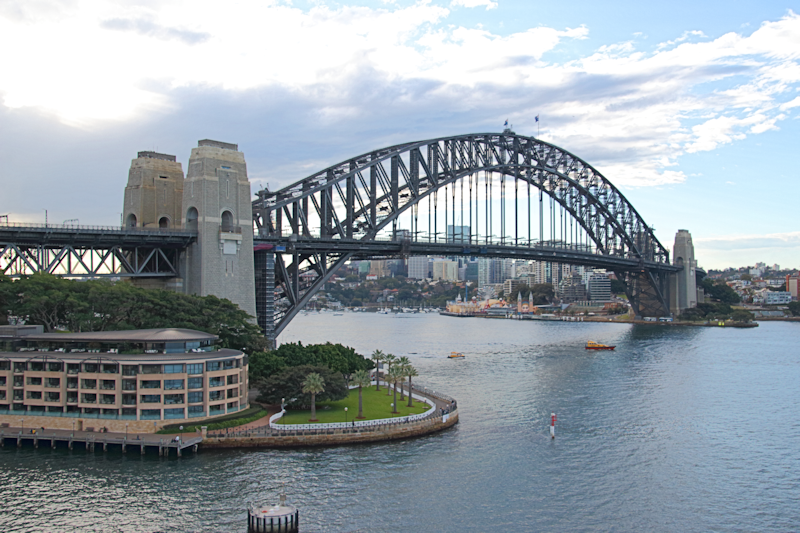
(361, 380)
(794, 307)
(379, 357)
(390, 360)
(740, 315)
(411, 372)
(314, 384)
(721, 292)
(288, 384)
(403, 363)
(393, 376)
(617, 286)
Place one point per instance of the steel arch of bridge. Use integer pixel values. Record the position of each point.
(338, 213)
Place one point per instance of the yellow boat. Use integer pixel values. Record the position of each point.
(455, 355)
(591, 345)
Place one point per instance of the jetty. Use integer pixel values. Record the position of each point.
(93, 441)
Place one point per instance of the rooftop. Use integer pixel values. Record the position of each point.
(218, 144)
(134, 335)
(155, 155)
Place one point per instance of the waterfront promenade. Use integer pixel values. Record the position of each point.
(263, 434)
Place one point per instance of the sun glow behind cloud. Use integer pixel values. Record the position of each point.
(631, 113)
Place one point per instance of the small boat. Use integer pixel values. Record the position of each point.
(455, 355)
(591, 345)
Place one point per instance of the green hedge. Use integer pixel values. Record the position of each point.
(236, 419)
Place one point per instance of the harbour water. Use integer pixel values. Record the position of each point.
(678, 429)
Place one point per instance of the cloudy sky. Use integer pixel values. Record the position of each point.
(691, 108)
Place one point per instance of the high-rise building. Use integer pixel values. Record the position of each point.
(458, 233)
(445, 270)
(599, 287)
(418, 267)
(379, 268)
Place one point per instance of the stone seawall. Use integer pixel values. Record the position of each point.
(334, 437)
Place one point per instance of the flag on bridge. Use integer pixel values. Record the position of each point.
(506, 124)
(537, 118)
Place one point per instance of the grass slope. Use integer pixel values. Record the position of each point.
(376, 405)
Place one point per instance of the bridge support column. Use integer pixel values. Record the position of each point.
(265, 294)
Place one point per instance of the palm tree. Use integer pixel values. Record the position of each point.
(390, 360)
(410, 373)
(361, 379)
(394, 375)
(403, 363)
(379, 357)
(313, 384)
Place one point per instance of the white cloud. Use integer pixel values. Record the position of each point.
(629, 112)
(474, 3)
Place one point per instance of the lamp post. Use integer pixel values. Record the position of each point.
(345, 415)
(22, 423)
(126, 431)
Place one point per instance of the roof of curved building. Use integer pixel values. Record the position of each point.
(133, 335)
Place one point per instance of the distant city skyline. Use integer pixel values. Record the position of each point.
(690, 109)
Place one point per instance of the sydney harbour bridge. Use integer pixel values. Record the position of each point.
(499, 195)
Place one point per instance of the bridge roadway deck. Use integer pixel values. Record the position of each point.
(93, 236)
(90, 439)
(366, 249)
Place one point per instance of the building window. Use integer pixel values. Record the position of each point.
(55, 367)
(173, 369)
(73, 368)
(211, 366)
(2, 381)
(128, 399)
(88, 398)
(90, 367)
(20, 367)
(171, 399)
(5, 365)
(128, 384)
(195, 383)
(108, 399)
(194, 368)
(72, 397)
(151, 369)
(173, 384)
(229, 364)
(53, 383)
(110, 369)
(233, 379)
(3, 397)
(216, 382)
(195, 397)
(150, 384)
(52, 397)
(34, 381)
(196, 410)
(233, 405)
(151, 398)
(215, 409)
(215, 395)
(233, 393)
(34, 395)
(88, 383)
(130, 370)
(72, 383)
(171, 414)
(108, 384)
(150, 414)
(37, 366)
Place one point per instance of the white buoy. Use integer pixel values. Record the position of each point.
(552, 425)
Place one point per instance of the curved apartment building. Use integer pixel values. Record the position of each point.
(141, 379)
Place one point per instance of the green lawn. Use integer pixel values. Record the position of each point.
(376, 405)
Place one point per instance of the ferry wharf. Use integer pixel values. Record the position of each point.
(92, 441)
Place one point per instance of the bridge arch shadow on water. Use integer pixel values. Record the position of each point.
(484, 195)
